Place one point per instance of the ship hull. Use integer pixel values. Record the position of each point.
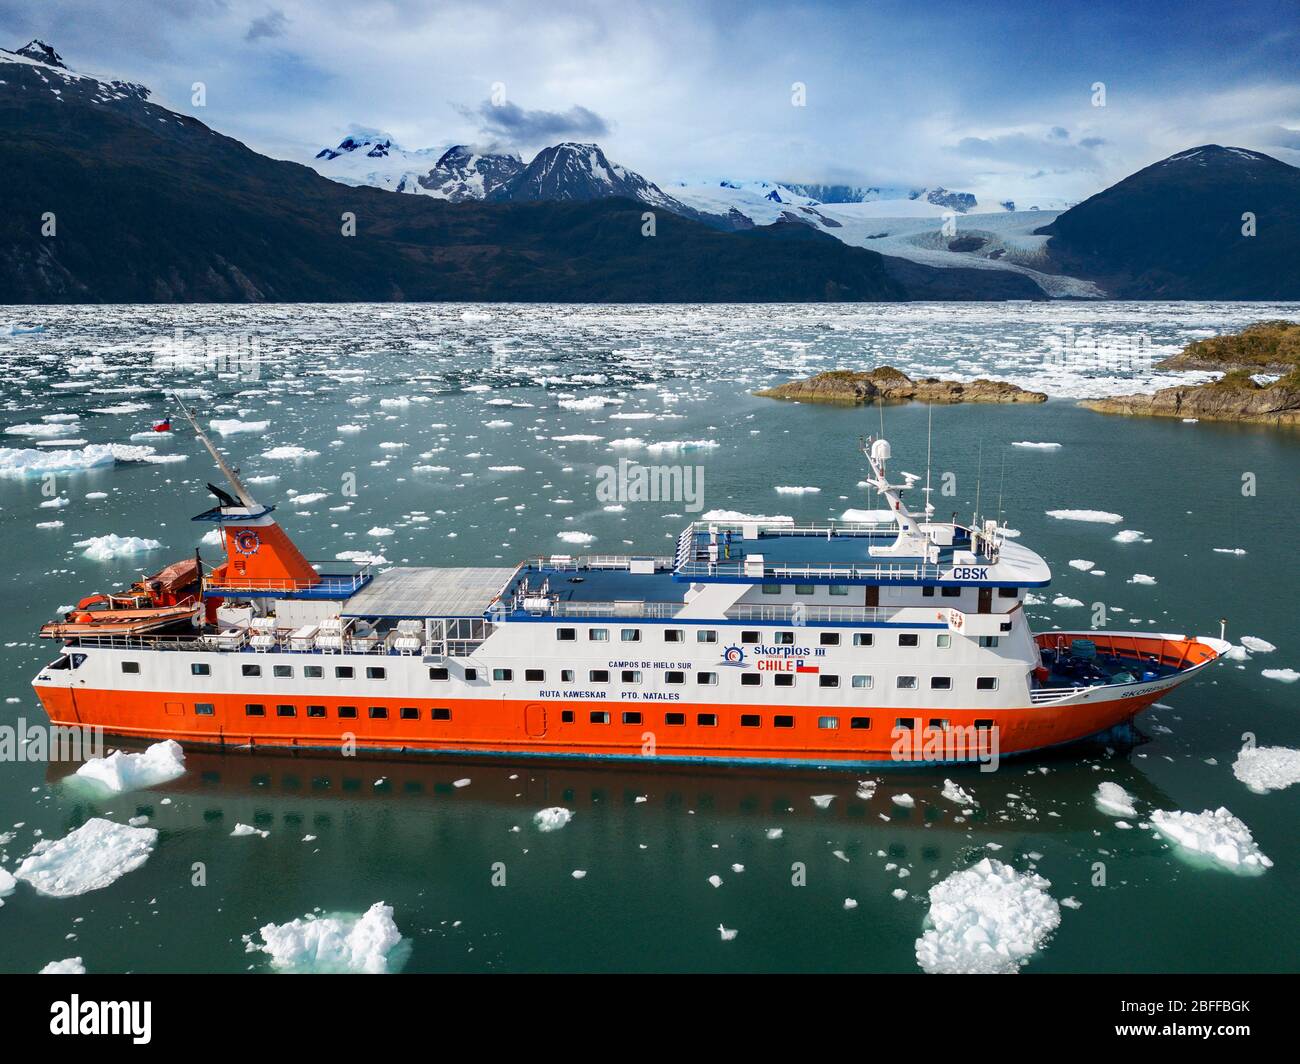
(522, 727)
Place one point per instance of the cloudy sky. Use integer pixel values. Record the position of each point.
(981, 94)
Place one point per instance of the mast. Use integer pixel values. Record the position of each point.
(244, 495)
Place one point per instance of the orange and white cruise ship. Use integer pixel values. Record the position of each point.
(846, 644)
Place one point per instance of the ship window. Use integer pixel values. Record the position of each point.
(439, 672)
(347, 712)
(471, 674)
(940, 683)
(378, 712)
(254, 710)
(907, 639)
(674, 677)
(805, 589)
(247, 670)
(860, 723)
(706, 720)
(631, 676)
(750, 679)
(830, 639)
(598, 676)
(783, 679)
(599, 716)
(750, 720)
(784, 639)
(200, 668)
(988, 640)
(409, 713)
(828, 680)
(927, 591)
(861, 682)
(675, 719)
(282, 671)
(771, 589)
(986, 683)
(674, 635)
(630, 635)
(952, 592)
(943, 641)
(838, 589)
(315, 711)
(1008, 592)
(709, 679)
(375, 672)
(863, 639)
(905, 683)
(631, 717)
(783, 722)
(134, 667)
(313, 672)
(938, 724)
(567, 676)
(535, 675)
(440, 713)
(749, 637)
(904, 723)
(342, 672)
(204, 709)
(503, 674)
(706, 635)
(286, 711)
(566, 635)
(828, 723)
(598, 635)
(984, 725)
(566, 716)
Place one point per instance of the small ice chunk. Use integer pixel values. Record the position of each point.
(1267, 768)
(120, 771)
(90, 858)
(67, 966)
(1216, 835)
(1114, 800)
(552, 818)
(823, 801)
(335, 943)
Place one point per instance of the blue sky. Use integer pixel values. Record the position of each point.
(973, 95)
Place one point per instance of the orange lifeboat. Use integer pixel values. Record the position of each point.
(172, 596)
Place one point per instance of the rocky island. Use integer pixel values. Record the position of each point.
(894, 386)
(1260, 382)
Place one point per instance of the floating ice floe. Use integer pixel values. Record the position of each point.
(96, 854)
(308, 498)
(1098, 516)
(1229, 550)
(7, 885)
(1267, 768)
(552, 818)
(289, 452)
(869, 517)
(120, 771)
(737, 517)
(727, 933)
(577, 437)
(1066, 602)
(67, 966)
(1130, 535)
(31, 462)
(792, 489)
(1256, 645)
(336, 943)
(242, 830)
(1082, 564)
(1037, 446)
(230, 426)
(106, 548)
(1215, 836)
(667, 446)
(823, 801)
(578, 538)
(904, 800)
(986, 920)
(954, 793)
(1281, 675)
(1114, 800)
(1142, 578)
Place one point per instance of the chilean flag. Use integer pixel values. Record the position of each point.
(807, 668)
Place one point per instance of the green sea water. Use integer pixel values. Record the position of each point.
(474, 885)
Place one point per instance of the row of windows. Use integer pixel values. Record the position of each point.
(595, 716)
(627, 676)
(779, 638)
(256, 709)
(809, 590)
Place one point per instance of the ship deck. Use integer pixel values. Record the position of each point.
(407, 592)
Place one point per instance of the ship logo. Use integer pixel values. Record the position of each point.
(247, 541)
(733, 655)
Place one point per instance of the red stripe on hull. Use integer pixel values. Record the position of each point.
(519, 726)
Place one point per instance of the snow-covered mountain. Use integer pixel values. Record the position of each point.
(581, 173)
(463, 173)
(371, 157)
